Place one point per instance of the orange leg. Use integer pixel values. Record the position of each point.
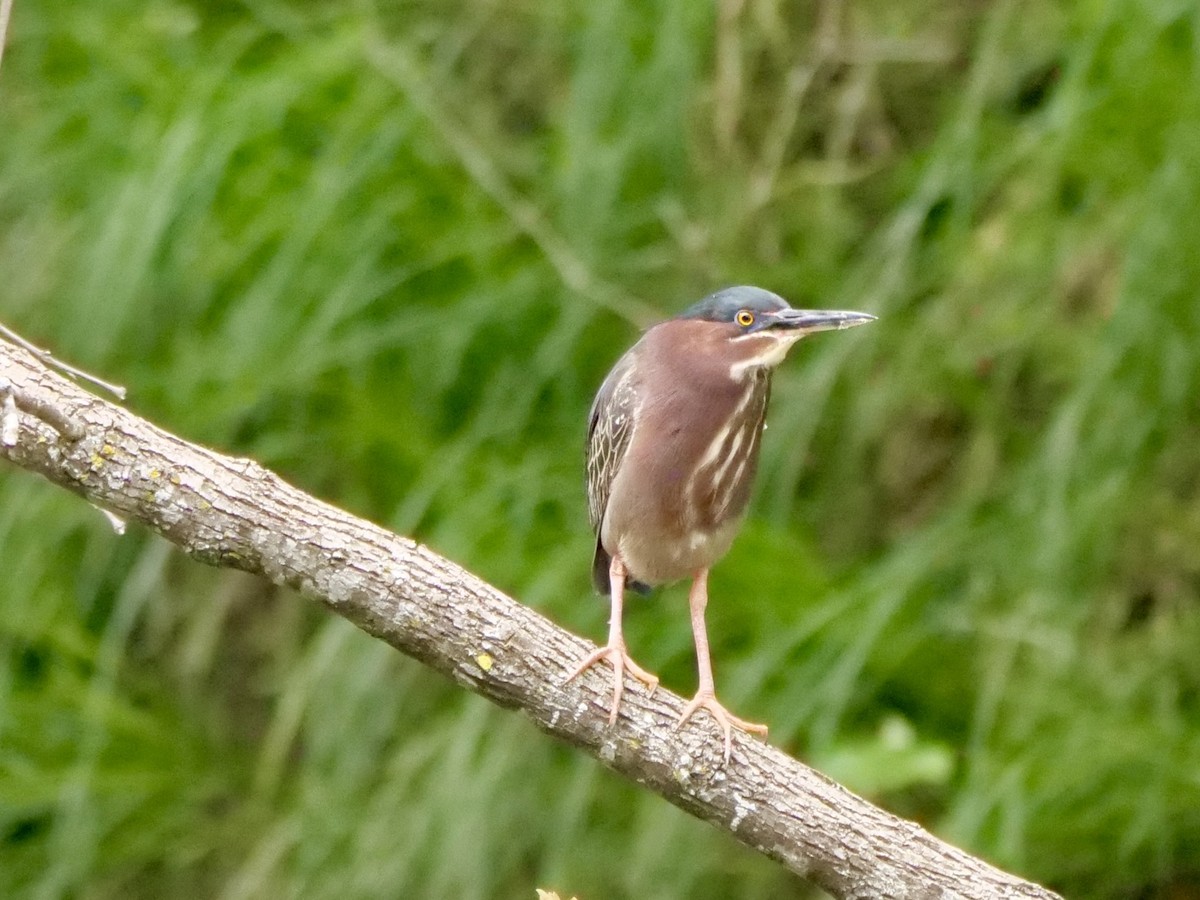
(706, 696)
(615, 651)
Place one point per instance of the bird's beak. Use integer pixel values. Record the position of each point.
(806, 321)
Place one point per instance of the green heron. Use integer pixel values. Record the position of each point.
(672, 449)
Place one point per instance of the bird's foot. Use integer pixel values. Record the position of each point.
(727, 720)
(621, 663)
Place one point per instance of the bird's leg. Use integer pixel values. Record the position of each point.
(615, 651)
(706, 696)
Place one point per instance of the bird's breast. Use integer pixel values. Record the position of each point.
(680, 493)
(718, 485)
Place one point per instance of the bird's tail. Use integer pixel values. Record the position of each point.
(600, 565)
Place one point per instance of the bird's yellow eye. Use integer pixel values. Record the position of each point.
(745, 318)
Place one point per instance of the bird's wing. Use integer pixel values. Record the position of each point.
(610, 427)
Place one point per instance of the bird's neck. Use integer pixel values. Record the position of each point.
(700, 359)
(762, 351)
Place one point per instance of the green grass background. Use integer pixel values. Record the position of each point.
(390, 250)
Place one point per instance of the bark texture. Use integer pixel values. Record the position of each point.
(232, 512)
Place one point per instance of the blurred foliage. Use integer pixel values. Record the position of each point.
(390, 250)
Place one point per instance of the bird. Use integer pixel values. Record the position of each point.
(672, 448)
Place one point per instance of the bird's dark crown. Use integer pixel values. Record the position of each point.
(724, 305)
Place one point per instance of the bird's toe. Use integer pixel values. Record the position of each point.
(726, 720)
(622, 664)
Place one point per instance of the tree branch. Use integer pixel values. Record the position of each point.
(233, 512)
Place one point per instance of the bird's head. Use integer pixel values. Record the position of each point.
(757, 328)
